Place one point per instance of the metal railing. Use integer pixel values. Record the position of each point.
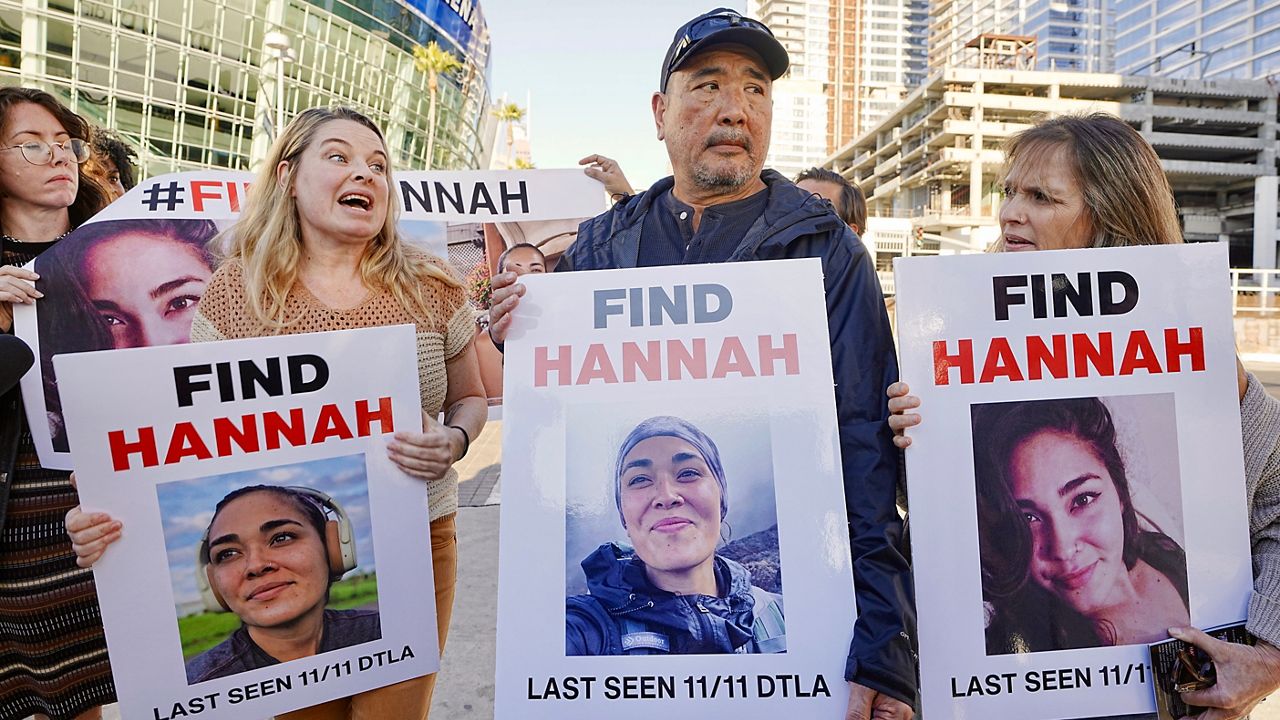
(1253, 290)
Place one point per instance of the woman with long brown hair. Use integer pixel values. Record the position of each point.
(53, 657)
(1093, 181)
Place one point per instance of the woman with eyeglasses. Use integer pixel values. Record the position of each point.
(51, 643)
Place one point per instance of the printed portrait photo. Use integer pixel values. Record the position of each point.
(119, 284)
(671, 535)
(270, 565)
(1080, 528)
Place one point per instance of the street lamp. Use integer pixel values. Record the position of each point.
(269, 117)
(282, 51)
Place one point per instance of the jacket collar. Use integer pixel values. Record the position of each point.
(616, 578)
(788, 208)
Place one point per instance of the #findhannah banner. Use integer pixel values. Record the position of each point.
(672, 474)
(1077, 485)
(133, 275)
(257, 501)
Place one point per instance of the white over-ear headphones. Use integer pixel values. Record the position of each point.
(339, 542)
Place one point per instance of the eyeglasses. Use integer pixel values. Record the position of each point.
(38, 152)
(707, 26)
(1192, 670)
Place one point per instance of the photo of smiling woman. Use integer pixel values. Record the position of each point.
(1069, 557)
(119, 284)
(672, 591)
(270, 556)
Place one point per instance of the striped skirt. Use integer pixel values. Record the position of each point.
(53, 656)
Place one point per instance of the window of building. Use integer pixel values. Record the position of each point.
(1171, 41)
(1134, 19)
(1267, 41)
(1267, 18)
(1267, 65)
(1166, 20)
(1234, 11)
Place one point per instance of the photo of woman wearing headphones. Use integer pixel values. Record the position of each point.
(265, 568)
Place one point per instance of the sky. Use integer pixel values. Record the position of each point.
(588, 68)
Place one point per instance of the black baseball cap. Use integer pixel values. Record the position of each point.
(718, 27)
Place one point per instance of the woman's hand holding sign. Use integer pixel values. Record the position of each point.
(506, 294)
(1246, 675)
(868, 704)
(429, 454)
(15, 287)
(91, 533)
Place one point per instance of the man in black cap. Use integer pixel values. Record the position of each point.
(713, 111)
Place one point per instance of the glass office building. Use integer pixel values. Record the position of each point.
(1199, 39)
(192, 83)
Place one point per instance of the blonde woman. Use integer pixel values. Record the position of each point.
(1094, 181)
(316, 249)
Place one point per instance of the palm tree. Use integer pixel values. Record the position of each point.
(433, 60)
(510, 113)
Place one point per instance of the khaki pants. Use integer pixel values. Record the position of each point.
(411, 699)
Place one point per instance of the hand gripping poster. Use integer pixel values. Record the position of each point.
(132, 276)
(272, 557)
(1077, 483)
(672, 498)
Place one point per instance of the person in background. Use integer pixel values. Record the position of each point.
(111, 162)
(607, 171)
(522, 259)
(846, 197)
(52, 649)
(1089, 181)
(714, 110)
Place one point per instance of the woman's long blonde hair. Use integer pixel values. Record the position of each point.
(268, 238)
(1125, 190)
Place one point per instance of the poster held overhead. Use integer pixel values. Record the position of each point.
(671, 435)
(258, 502)
(133, 275)
(1078, 487)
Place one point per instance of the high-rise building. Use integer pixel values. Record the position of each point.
(202, 83)
(1198, 39)
(799, 138)
(1068, 34)
(937, 159)
(852, 62)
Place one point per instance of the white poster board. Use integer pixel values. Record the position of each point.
(1038, 583)
(164, 435)
(133, 275)
(623, 363)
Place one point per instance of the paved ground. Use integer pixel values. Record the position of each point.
(466, 681)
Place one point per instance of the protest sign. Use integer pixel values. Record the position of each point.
(1077, 485)
(133, 275)
(672, 430)
(168, 439)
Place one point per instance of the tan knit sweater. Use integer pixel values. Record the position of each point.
(223, 314)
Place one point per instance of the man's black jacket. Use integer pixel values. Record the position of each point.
(797, 224)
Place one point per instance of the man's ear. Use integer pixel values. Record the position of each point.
(282, 174)
(659, 103)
